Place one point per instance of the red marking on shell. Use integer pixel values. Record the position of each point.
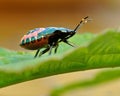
(37, 44)
(34, 34)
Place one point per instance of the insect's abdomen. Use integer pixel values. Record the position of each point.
(34, 40)
(39, 43)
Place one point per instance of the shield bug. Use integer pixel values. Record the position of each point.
(48, 38)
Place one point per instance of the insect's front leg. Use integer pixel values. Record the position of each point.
(50, 51)
(67, 42)
(44, 51)
(53, 45)
(56, 47)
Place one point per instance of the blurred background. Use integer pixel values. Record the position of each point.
(19, 16)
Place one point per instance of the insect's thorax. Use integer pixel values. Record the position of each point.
(59, 36)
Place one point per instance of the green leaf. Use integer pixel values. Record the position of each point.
(102, 52)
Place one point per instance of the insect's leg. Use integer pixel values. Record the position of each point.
(65, 41)
(56, 47)
(44, 51)
(54, 44)
(69, 36)
(36, 53)
(50, 50)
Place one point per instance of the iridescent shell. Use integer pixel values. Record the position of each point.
(38, 37)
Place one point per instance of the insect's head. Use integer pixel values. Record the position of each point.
(83, 21)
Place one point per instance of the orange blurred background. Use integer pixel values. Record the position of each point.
(19, 16)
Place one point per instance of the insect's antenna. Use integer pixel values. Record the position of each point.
(83, 21)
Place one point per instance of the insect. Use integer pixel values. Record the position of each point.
(48, 38)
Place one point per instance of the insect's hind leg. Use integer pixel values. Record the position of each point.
(44, 51)
(36, 53)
